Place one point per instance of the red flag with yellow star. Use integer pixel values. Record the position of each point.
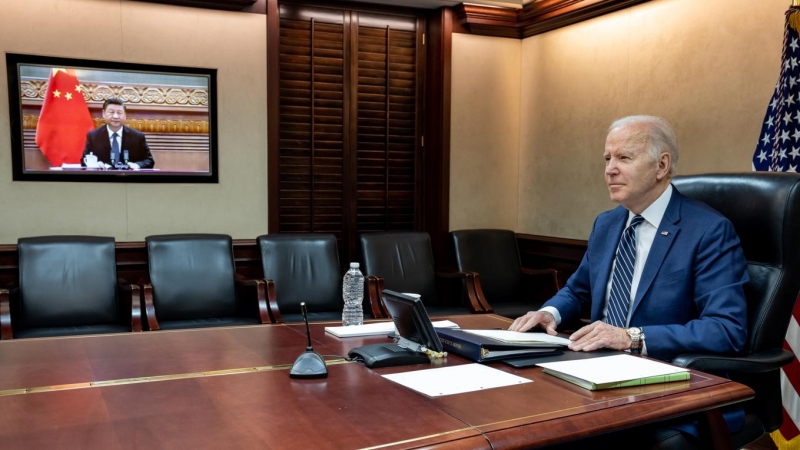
(65, 119)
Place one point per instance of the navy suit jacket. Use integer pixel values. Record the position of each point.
(133, 141)
(690, 297)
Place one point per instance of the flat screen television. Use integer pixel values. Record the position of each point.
(86, 120)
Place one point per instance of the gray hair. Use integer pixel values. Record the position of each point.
(656, 133)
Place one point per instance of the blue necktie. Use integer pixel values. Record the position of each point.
(114, 148)
(620, 299)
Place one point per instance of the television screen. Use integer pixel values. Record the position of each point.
(83, 120)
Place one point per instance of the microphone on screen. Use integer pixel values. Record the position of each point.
(310, 363)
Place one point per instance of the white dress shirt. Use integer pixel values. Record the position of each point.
(645, 234)
(111, 139)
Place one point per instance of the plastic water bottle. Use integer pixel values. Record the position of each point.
(353, 295)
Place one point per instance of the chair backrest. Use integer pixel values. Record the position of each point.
(305, 268)
(494, 255)
(404, 260)
(764, 208)
(67, 281)
(193, 276)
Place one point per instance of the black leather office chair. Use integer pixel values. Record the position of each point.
(68, 286)
(494, 257)
(302, 268)
(193, 284)
(765, 210)
(403, 262)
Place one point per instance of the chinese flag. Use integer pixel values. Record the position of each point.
(65, 119)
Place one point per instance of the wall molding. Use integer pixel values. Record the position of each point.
(546, 252)
(535, 18)
(228, 5)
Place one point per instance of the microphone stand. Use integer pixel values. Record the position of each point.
(309, 364)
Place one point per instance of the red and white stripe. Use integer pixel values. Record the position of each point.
(788, 435)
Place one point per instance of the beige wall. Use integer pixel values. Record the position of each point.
(709, 67)
(484, 132)
(116, 30)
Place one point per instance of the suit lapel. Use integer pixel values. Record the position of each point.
(123, 141)
(104, 146)
(609, 249)
(661, 245)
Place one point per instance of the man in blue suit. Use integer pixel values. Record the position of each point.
(664, 273)
(686, 290)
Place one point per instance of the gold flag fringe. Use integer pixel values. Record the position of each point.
(794, 18)
(782, 443)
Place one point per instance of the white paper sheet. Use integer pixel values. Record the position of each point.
(515, 337)
(455, 379)
(377, 328)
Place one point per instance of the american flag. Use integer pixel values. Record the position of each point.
(778, 150)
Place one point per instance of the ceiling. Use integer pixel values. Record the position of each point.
(432, 4)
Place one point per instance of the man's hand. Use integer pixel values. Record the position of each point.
(541, 318)
(599, 335)
(134, 166)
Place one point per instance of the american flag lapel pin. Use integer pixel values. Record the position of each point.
(664, 233)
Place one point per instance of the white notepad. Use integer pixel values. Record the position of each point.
(377, 328)
(615, 371)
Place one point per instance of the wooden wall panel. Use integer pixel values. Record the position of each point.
(347, 113)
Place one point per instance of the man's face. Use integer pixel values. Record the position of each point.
(114, 115)
(631, 174)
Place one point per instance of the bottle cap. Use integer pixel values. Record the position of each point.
(354, 265)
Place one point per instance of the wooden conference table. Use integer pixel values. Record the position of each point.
(230, 388)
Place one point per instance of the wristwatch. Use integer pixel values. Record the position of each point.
(637, 338)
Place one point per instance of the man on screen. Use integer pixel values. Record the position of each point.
(661, 265)
(112, 142)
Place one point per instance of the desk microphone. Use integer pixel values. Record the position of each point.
(309, 364)
(125, 156)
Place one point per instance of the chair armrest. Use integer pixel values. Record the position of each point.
(550, 273)
(477, 301)
(761, 362)
(261, 298)
(374, 290)
(130, 296)
(6, 331)
(148, 309)
(272, 301)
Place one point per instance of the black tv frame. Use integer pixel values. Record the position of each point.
(14, 60)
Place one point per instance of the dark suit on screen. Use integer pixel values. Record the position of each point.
(690, 297)
(98, 142)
